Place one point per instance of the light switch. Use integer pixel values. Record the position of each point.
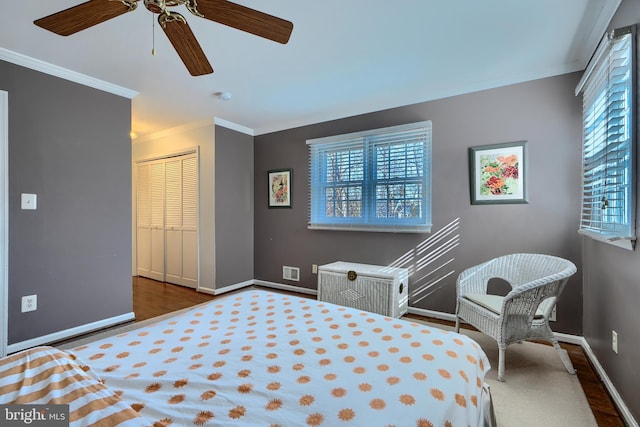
(29, 201)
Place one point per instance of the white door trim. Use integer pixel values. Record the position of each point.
(4, 220)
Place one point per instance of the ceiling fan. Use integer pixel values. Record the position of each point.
(94, 12)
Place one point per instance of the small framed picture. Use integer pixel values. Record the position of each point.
(498, 173)
(280, 188)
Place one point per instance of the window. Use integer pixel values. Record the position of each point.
(608, 150)
(377, 180)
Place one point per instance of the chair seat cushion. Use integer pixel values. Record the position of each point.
(493, 303)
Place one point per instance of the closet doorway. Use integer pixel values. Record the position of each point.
(167, 219)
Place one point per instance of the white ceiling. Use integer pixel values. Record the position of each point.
(345, 57)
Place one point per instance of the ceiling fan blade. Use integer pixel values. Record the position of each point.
(83, 16)
(246, 19)
(185, 43)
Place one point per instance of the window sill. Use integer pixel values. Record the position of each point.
(377, 229)
(621, 242)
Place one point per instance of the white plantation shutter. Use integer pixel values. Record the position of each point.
(377, 180)
(608, 152)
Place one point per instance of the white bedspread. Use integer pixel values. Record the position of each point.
(261, 358)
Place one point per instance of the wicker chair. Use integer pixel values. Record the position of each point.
(523, 314)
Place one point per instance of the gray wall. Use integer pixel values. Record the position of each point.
(612, 292)
(544, 112)
(70, 145)
(233, 207)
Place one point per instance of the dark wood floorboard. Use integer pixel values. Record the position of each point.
(152, 298)
(599, 399)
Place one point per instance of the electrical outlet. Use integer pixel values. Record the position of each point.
(314, 268)
(29, 303)
(614, 341)
(552, 316)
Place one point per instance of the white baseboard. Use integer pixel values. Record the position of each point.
(235, 287)
(263, 283)
(69, 333)
(283, 287)
(206, 290)
(433, 314)
(629, 420)
(569, 339)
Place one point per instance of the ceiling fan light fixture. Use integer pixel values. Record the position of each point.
(155, 6)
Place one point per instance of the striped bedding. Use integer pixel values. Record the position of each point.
(259, 358)
(45, 375)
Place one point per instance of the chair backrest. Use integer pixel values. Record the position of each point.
(534, 290)
(517, 269)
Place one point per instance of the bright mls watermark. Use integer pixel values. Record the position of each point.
(34, 415)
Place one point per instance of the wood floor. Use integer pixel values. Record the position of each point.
(152, 298)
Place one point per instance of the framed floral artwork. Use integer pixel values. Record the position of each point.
(498, 173)
(280, 188)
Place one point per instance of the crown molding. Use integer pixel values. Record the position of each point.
(233, 126)
(63, 73)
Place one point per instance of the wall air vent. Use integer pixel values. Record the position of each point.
(291, 273)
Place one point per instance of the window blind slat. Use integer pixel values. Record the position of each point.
(608, 120)
(376, 180)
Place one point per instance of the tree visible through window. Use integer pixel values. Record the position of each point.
(608, 172)
(377, 180)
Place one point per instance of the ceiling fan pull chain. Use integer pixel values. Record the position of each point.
(153, 35)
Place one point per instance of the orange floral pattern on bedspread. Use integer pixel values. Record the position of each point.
(261, 358)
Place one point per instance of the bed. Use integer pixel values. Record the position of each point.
(261, 358)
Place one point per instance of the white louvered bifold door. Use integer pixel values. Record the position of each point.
(167, 220)
(190, 221)
(143, 221)
(181, 214)
(156, 186)
(150, 220)
(173, 218)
